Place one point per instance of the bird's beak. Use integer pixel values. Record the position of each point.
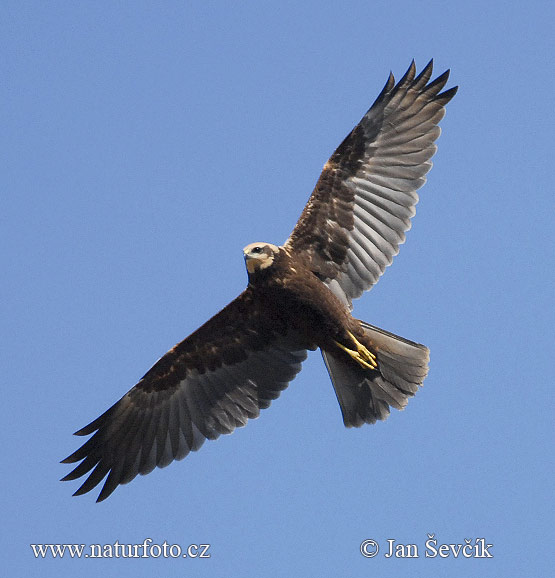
(250, 262)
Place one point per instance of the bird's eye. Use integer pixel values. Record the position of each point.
(256, 250)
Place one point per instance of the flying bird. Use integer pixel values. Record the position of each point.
(299, 298)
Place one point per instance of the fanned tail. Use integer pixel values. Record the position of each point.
(365, 395)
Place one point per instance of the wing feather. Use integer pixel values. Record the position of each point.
(361, 207)
(208, 385)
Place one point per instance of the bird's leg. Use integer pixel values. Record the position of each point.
(361, 354)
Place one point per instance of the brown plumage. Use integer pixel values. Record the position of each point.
(299, 297)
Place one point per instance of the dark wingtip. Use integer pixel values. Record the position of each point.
(425, 74)
(437, 84)
(110, 485)
(84, 489)
(71, 459)
(87, 486)
(69, 477)
(386, 89)
(445, 96)
(428, 68)
(90, 428)
(79, 492)
(408, 77)
(103, 495)
(390, 82)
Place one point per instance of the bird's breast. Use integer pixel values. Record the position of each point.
(305, 304)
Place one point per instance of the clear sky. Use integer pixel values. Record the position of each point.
(143, 145)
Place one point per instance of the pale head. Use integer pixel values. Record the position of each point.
(259, 256)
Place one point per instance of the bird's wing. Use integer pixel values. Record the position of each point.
(209, 384)
(357, 215)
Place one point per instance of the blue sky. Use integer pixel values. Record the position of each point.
(144, 144)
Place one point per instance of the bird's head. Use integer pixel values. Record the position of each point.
(259, 256)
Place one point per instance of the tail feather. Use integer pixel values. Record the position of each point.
(364, 395)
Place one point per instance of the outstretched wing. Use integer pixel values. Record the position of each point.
(209, 384)
(358, 213)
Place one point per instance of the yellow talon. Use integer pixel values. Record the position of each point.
(361, 355)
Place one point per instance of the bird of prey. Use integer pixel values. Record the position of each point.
(299, 297)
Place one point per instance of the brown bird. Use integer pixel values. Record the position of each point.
(298, 298)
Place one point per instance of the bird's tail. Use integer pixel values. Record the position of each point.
(365, 395)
